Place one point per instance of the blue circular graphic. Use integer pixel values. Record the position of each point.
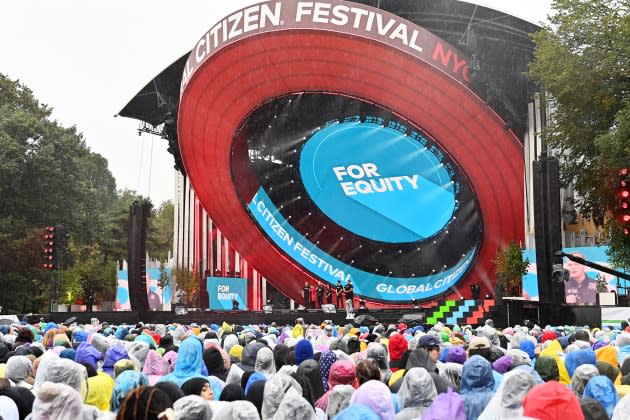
(378, 182)
(123, 295)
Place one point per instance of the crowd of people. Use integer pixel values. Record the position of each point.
(302, 371)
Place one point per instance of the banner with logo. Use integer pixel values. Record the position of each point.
(223, 290)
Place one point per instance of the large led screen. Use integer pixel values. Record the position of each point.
(351, 191)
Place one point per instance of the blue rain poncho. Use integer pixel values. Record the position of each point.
(602, 389)
(188, 364)
(477, 386)
(124, 383)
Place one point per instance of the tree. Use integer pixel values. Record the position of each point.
(601, 284)
(187, 281)
(160, 231)
(17, 97)
(48, 176)
(92, 278)
(164, 279)
(510, 269)
(24, 285)
(116, 234)
(582, 59)
(619, 250)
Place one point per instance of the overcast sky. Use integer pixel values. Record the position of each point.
(87, 59)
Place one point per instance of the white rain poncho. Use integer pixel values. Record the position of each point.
(507, 402)
(18, 369)
(339, 399)
(46, 360)
(192, 407)
(64, 371)
(137, 351)
(237, 410)
(294, 407)
(8, 409)
(265, 363)
(416, 393)
(581, 376)
(56, 401)
(276, 389)
(622, 409)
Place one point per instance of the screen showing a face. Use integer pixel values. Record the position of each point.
(580, 289)
(350, 191)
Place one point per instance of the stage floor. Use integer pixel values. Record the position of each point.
(281, 317)
(562, 315)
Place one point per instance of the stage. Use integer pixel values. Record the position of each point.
(279, 316)
(464, 312)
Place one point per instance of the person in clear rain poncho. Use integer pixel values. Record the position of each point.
(416, 393)
(56, 401)
(508, 400)
(192, 407)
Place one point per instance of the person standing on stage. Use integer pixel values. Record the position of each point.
(320, 294)
(329, 293)
(306, 292)
(349, 292)
(179, 297)
(339, 290)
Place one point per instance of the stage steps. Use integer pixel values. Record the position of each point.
(462, 312)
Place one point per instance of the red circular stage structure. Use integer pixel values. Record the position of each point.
(410, 81)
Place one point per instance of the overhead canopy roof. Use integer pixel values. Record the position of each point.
(156, 101)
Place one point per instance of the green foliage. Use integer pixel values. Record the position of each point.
(70, 290)
(92, 278)
(25, 287)
(601, 283)
(582, 60)
(619, 247)
(165, 276)
(116, 233)
(510, 269)
(17, 97)
(164, 279)
(186, 280)
(160, 231)
(48, 176)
